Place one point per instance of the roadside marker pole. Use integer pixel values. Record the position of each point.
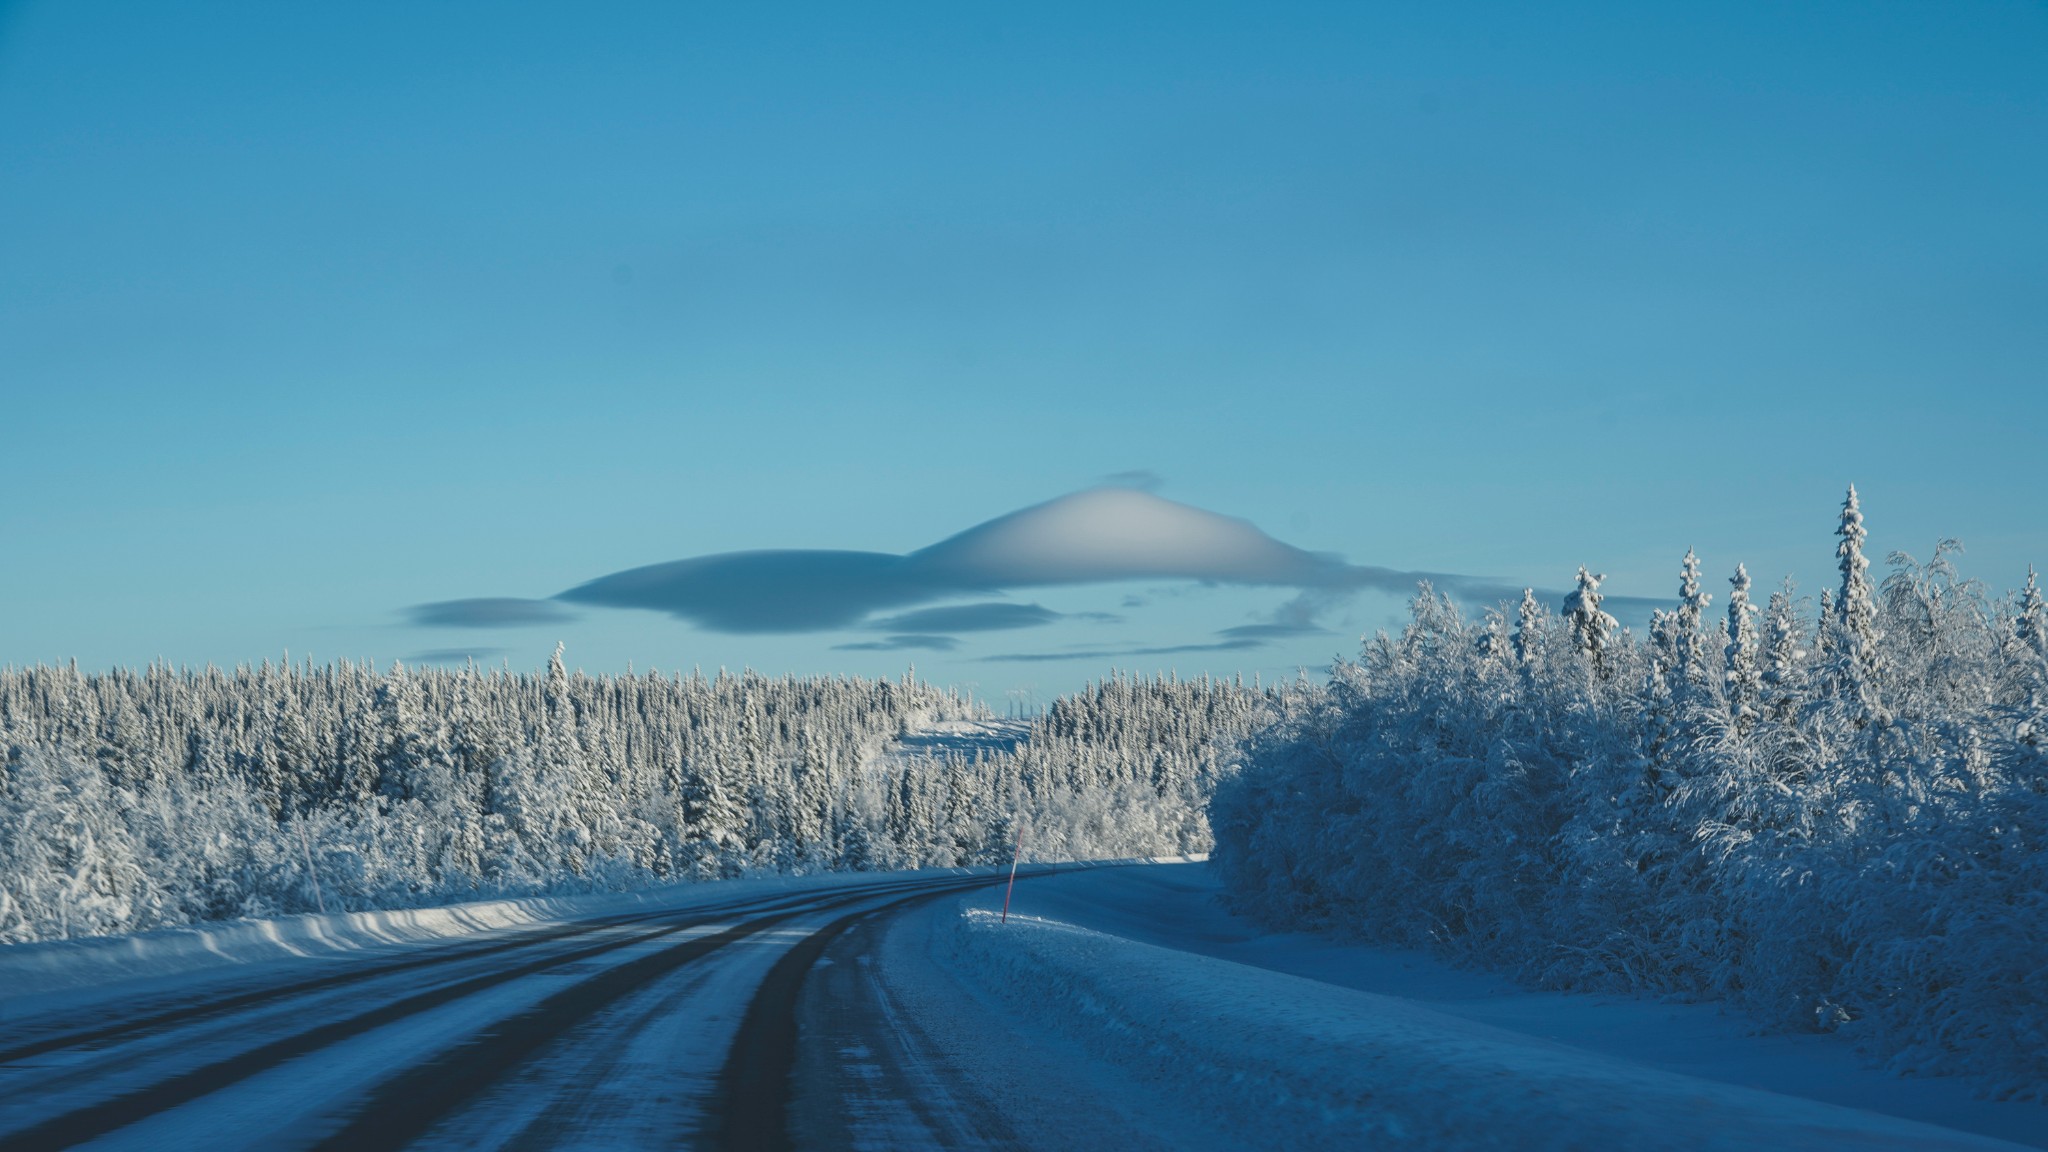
(1014, 857)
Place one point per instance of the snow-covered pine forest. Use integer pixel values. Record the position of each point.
(133, 801)
(1837, 818)
(1127, 767)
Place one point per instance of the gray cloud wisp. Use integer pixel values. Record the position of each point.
(453, 655)
(997, 616)
(915, 642)
(487, 612)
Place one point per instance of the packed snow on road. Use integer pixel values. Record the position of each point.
(1116, 1006)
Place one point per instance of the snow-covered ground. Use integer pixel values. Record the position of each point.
(1134, 977)
(1119, 1008)
(959, 738)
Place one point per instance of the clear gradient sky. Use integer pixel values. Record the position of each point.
(312, 313)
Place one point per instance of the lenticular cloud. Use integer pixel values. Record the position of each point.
(1108, 534)
(1101, 535)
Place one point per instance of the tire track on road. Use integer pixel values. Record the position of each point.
(756, 1083)
(99, 1118)
(405, 1107)
(189, 1012)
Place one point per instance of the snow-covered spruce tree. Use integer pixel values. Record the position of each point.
(1784, 652)
(1496, 643)
(1743, 677)
(1665, 642)
(1591, 627)
(1696, 671)
(711, 844)
(1529, 616)
(1854, 641)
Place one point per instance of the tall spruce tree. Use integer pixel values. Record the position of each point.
(1744, 673)
(1854, 645)
(1528, 631)
(1591, 627)
(1695, 662)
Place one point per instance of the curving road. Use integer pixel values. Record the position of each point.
(1121, 1008)
(657, 1029)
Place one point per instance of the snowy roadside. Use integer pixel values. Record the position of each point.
(1308, 1064)
(75, 968)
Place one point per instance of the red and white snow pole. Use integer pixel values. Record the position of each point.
(1015, 856)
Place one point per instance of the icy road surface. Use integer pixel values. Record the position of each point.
(665, 1021)
(1118, 1009)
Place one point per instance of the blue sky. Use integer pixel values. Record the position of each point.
(311, 314)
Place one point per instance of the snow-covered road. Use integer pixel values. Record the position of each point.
(645, 1028)
(1122, 1009)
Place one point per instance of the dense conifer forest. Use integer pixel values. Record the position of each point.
(1835, 817)
(136, 800)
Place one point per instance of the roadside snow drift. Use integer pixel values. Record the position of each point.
(1311, 1065)
(54, 966)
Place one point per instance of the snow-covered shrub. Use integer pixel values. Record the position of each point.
(1842, 827)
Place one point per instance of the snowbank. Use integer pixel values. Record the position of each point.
(60, 965)
(1309, 1065)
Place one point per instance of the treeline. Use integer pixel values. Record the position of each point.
(1838, 820)
(131, 801)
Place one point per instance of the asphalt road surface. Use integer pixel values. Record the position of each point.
(666, 1029)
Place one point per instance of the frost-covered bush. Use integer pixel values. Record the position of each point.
(1841, 824)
